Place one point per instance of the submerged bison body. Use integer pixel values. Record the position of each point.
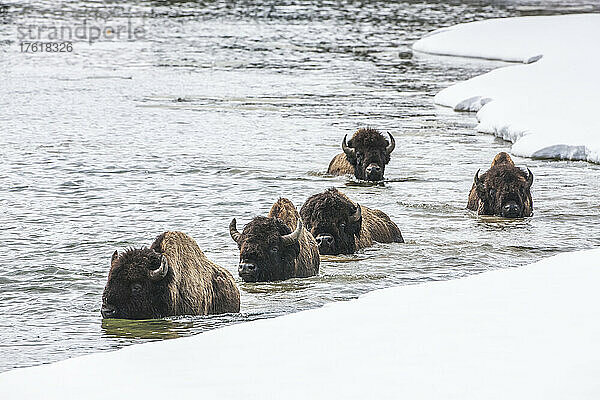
(276, 247)
(365, 155)
(504, 190)
(172, 277)
(343, 227)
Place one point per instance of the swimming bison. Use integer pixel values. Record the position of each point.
(271, 251)
(504, 190)
(365, 155)
(172, 277)
(342, 227)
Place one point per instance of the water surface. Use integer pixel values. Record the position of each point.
(218, 111)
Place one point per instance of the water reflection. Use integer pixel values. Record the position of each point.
(169, 328)
(144, 329)
(222, 109)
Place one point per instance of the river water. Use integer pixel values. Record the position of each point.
(215, 110)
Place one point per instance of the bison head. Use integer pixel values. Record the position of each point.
(504, 191)
(333, 220)
(268, 249)
(137, 285)
(368, 152)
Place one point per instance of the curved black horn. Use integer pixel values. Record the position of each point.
(160, 272)
(293, 237)
(392, 144)
(348, 150)
(529, 178)
(357, 214)
(478, 182)
(476, 179)
(235, 235)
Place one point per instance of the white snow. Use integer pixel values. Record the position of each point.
(549, 107)
(520, 333)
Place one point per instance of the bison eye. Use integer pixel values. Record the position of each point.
(136, 288)
(343, 226)
(274, 250)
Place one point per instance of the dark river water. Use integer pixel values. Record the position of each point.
(215, 109)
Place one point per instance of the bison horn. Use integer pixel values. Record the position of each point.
(350, 152)
(391, 146)
(114, 257)
(160, 272)
(477, 180)
(357, 214)
(529, 178)
(235, 235)
(293, 237)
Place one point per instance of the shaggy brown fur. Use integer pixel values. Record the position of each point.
(329, 216)
(340, 165)
(501, 186)
(307, 262)
(502, 158)
(369, 158)
(193, 285)
(261, 246)
(285, 210)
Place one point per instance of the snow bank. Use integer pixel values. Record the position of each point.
(548, 107)
(520, 333)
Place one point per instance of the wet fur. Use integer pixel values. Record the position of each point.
(368, 141)
(505, 177)
(262, 233)
(340, 165)
(307, 262)
(325, 212)
(194, 285)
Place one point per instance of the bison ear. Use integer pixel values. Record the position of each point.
(114, 257)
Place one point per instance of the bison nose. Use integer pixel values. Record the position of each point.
(108, 311)
(246, 268)
(325, 244)
(511, 210)
(373, 172)
(323, 240)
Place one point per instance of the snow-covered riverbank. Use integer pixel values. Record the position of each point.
(523, 333)
(547, 107)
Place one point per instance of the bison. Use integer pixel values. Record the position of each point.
(504, 190)
(276, 247)
(172, 277)
(343, 227)
(365, 155)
